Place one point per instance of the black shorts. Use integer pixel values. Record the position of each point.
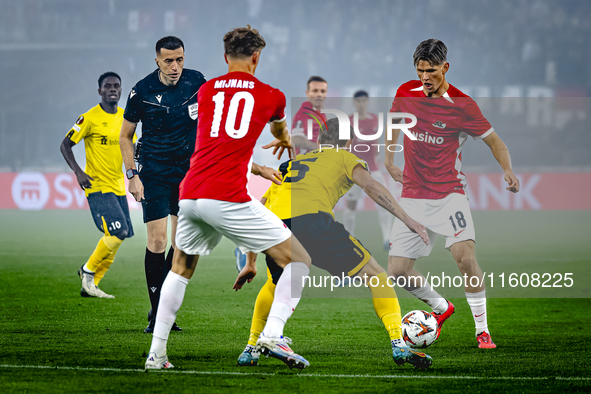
(111, 211)
(161, 198)
(330, 246)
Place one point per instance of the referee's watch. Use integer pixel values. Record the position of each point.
(131, 173)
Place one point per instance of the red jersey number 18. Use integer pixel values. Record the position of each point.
(232, 113)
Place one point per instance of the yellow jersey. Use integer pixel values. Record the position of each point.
(100, 132)
(314, 183)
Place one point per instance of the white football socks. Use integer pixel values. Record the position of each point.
(171, 298)
(349, 220)
(430, 297)
(477, 302)
(287, 296)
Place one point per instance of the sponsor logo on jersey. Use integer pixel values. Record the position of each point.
(153, 289)
(430, 139)
(458, 233)
(80, 120)
(103, 140)
(159, 97)
(193, 111)
(439, 125)
(105, 124)
(132, 93)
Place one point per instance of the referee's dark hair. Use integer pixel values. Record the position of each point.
(360, 93)
(169, 42)
(315, 78)
(331, 136)
(243, 42)
(432, 50)
(107, 75)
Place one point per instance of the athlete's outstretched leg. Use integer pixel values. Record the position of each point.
(465, 256)
(418, 286)
(291, 255)
(171, 299)
(262, 306)
(387, 308)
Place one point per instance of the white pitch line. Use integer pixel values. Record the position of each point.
(311, 375)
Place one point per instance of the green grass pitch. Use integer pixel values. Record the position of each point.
(52, 340)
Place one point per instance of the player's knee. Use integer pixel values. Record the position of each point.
(157, 244)
(466, 262)
(396, 270)
(121, 233)
(299, 254)
(372, 268)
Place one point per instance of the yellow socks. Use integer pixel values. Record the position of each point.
(262, 307)
(103, 256)
(387, 307)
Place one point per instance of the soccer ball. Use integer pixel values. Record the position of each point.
(419, 329)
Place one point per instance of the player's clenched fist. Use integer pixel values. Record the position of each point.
(513, 182)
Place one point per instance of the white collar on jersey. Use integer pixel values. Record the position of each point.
(445, 95)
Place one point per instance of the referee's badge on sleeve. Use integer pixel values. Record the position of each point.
(193, 111)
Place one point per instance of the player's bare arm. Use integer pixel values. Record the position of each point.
(266, 172)
(282, 141)
(82, 177)
(136, 188)
(501, 154)
(248, 272)
(394, 171)
(377, 192)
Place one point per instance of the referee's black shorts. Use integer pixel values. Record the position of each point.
(161, 188)
(330, 246)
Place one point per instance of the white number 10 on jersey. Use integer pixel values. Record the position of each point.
(232, 112)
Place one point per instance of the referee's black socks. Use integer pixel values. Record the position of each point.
(156, 271)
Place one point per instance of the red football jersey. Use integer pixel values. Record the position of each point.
(299, 126)
(433, 163)
(367, 126)
(233, 110)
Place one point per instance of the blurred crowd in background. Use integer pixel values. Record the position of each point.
(53, 51)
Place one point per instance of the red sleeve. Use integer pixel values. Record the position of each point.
(298, 124)
(396, 103)
(475, 124)
(279, 113)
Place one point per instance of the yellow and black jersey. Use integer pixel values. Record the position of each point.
(314, 183)
(100, 132)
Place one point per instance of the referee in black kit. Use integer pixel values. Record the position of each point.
(166, 103)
